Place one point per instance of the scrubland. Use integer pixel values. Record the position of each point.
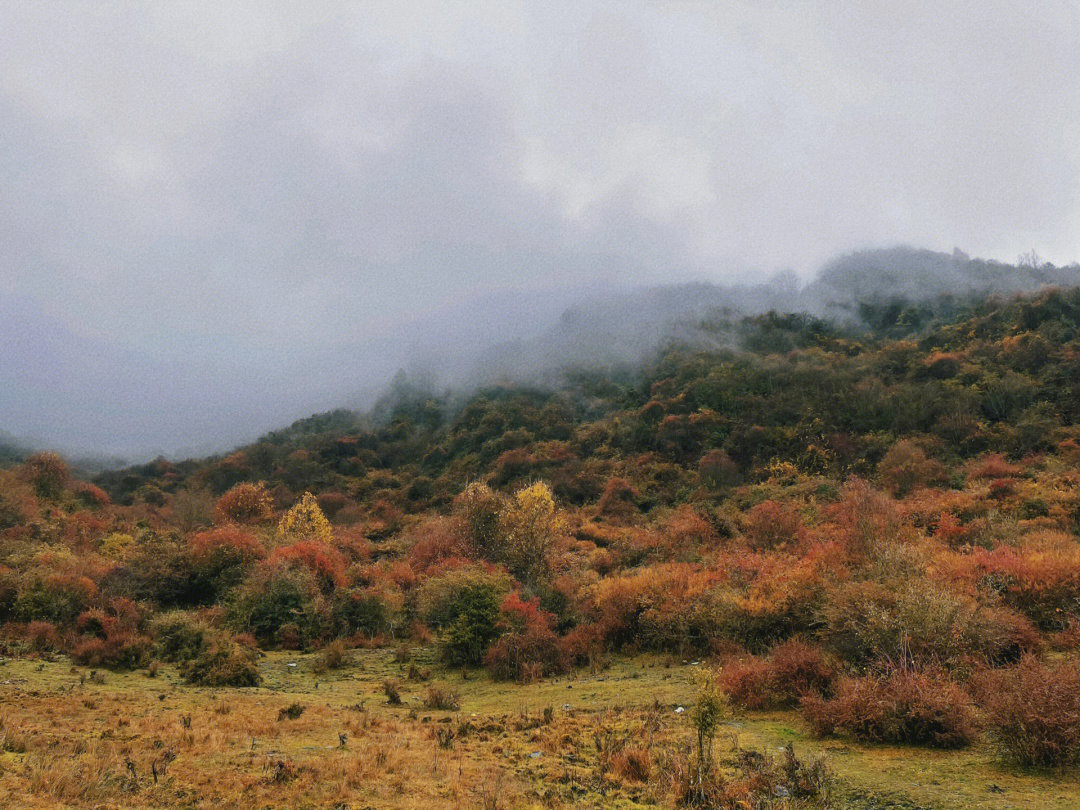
(824, 565)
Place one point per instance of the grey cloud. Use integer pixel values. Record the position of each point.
(218, 217)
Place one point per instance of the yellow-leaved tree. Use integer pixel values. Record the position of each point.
(117, 545)
(305, 521)
(531, 525)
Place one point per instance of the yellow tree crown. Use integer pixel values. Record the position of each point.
(305, 521)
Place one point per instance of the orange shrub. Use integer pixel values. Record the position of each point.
(685, 531)
(993, 465)
(245, 503)
(1040, 579)
(949, 529)
(619, 498)
(436, 540)
(771, 525)
(632, 764)
(865, 520)
(669, 606)
(227, 542)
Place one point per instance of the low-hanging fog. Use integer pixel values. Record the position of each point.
(217, 218)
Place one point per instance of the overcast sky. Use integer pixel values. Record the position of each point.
(201, 203)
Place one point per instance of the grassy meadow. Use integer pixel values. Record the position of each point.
(75, 737)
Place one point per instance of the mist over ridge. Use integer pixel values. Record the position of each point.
(217, 218)
(513, 336)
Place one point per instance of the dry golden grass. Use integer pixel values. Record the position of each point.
(606, 739)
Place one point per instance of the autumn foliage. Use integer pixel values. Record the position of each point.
(869, 522)
(245, 503)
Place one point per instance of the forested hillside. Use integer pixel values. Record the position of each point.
(839, 514)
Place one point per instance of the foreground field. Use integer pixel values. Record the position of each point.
(70, 738)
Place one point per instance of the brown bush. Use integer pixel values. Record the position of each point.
(245, 503)
(42, 636)
(921, 622)
(291, 712)
(1033, 712)
(619, 498)
(792, 670)
(392, 690)
(535, 653)
(749, 683)
(223, 662)
(901, 706)
(332, 502)
(759, 780)
(47, 473)
(717, 470)
(771, 524)
(906, 466)
(632, 764)
(118, 650)
(439, 696)
(333, 655)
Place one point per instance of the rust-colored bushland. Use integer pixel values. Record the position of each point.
(901, 706)
(1033, 712)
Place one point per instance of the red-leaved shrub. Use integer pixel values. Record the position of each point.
(529, 649)
(1033, 712)
(324, 561)
(792, 670)
(901, 706)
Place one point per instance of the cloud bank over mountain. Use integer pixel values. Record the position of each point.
(219, 217)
